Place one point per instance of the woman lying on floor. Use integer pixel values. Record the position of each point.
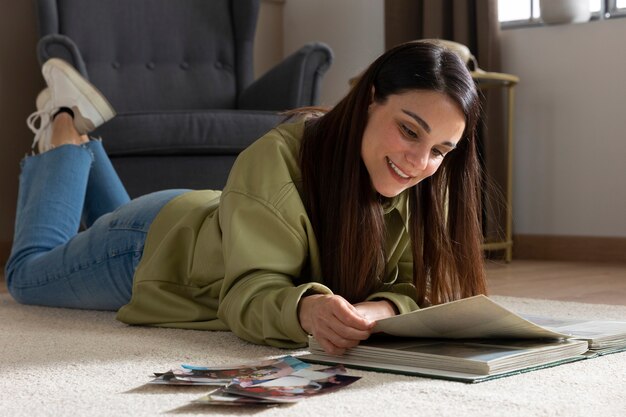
(326, 224)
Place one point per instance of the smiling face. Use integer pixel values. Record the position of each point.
(406, 138)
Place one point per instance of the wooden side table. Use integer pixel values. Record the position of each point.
(484, 81)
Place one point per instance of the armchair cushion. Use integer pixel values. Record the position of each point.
(201, 132)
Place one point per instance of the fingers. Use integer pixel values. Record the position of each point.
(340, 334)
(347, 314)
(376, 310)
(334, 343)
(331, 348)
(334, 322)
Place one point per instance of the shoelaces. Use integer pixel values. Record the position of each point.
(38, 122)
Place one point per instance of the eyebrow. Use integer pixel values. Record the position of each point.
(418, 119)
(426, 126)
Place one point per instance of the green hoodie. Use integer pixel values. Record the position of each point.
(241, 259)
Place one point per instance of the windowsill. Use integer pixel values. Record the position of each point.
(531, 23)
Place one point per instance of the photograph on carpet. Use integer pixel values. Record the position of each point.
(281, 380)
(289, 389)
(245, 374)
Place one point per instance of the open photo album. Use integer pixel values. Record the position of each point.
(475, 339)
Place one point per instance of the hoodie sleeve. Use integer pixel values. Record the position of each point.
(264, 257)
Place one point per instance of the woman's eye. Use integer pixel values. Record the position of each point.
(407, 131)
(438, 153)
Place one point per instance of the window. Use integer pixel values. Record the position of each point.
(518, 10)
(513, 13)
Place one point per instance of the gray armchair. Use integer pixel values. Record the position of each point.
(179, 74)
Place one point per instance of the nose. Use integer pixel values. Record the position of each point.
(418, 157)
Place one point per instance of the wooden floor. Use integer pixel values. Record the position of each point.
(596, 283)
(566, 281)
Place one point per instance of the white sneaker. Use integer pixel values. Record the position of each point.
(66, 88)
(69, 89)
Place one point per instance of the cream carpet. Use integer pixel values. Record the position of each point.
(58, 362)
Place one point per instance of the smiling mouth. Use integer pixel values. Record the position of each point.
(396, 169)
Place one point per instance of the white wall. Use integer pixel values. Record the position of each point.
(570, 128)
(354, 29)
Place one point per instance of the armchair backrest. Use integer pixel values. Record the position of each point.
(159, 54)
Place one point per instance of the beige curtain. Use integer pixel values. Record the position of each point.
(473, 23)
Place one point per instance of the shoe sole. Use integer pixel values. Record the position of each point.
(95, 97)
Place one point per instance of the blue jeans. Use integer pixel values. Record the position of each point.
(51, 262)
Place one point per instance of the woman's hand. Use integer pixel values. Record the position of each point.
(334, 322)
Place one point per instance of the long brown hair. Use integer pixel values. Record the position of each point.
(346, 211)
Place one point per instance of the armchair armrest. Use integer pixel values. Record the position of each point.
(61, 46)
(295, 82)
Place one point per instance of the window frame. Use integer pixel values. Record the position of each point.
(608, 10)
